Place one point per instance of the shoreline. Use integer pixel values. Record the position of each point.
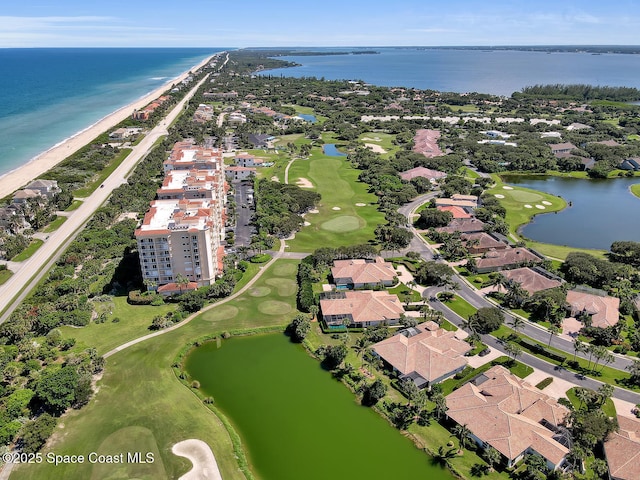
(41, 163)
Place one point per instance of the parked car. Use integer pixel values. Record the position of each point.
(485, 352)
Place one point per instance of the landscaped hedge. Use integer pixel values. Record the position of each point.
(539, 349)
(544, 383)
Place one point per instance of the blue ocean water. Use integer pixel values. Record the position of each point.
(49, 94)
(499, 72)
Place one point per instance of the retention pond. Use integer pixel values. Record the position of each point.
(296, 421)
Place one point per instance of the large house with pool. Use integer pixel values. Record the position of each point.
(425, 354)
(361, 273)
(361, 308)
(505, 412)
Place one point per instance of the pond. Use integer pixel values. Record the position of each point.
(600, 211)
(331, 150)
(296, 421)
(307, 117)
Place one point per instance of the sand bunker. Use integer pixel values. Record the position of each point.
(375, 148)
(541, 207)
(315, 210)
(507, 187)
(304, 183)
(306, 224)
(336, 208)
(544, 202)
(372, 139)
(497, 195)
(361, 204)
(528, 206)
(275, 179)
(202, 458)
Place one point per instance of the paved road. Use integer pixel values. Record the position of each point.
(536, 362)
(29, 272)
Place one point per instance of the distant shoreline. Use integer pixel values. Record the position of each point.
(43, 162)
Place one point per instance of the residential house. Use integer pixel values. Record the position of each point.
(603, 309)
(562, 149)
(512, 416)
(482, 242)
(622, 450)
(22, 196)
(261, 140)
(431, 175)
(203, 114)
(245, 160)
(533, 279)
(236, 118)
(458, 200)
(124, 133)
(186, 155)
(632, 164)
(464, 225)
(47, 188)
(11, 218)
(457, 212)
(361, 273)
(360, 308)
(221, 95)
(425, 142)
(425, 354)
(579, 126)
(497, 260)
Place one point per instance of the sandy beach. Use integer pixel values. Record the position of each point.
(19, 177)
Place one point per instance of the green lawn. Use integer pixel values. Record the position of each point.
(471, 174)
(103, 175)
(460, 306)
(74, 206)
(635, 189)
(134, 322)
(403, 292)
(139, 389)
(608, 408)
(29, 251)
(53, 226)
(384, 140)
(5, 275)
(339, 221)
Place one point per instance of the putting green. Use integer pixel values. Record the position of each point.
(522, 196)
(343, 223)
(284, 270)
(259, 291)
(285, 286)
(274, 307)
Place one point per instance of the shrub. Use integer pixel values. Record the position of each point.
(136, 298)
(261, 258)
(544, 383)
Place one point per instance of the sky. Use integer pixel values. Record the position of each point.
(283, 23)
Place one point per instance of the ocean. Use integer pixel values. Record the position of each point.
(498, 72)
(49, 94)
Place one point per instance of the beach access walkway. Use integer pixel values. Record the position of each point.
(29, 272)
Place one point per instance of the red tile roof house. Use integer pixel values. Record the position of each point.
(604, 310)
(431, 175)
(426, 142)
(562, 149)
(497, 260)
(464, 225)
(457, 212)
(622, 450)
(360, 273)
(426, 354)
(510, 415)
(482, 242)
(360, 308)
(533, 279)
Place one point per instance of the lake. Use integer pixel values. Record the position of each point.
(602, 211)
(296, 421)
(499, 72)
(331, 150)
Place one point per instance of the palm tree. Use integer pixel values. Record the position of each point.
(578, 346)
(514, 350)
(605, 392)
(313, 310)
(361, 346)
(553, 330)
(442, 457)
(462, 432)
(471, 324)
(517, 323)
(181, 281)
(582, 394)
(492, 456)
(440, 408)
(499, 281)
